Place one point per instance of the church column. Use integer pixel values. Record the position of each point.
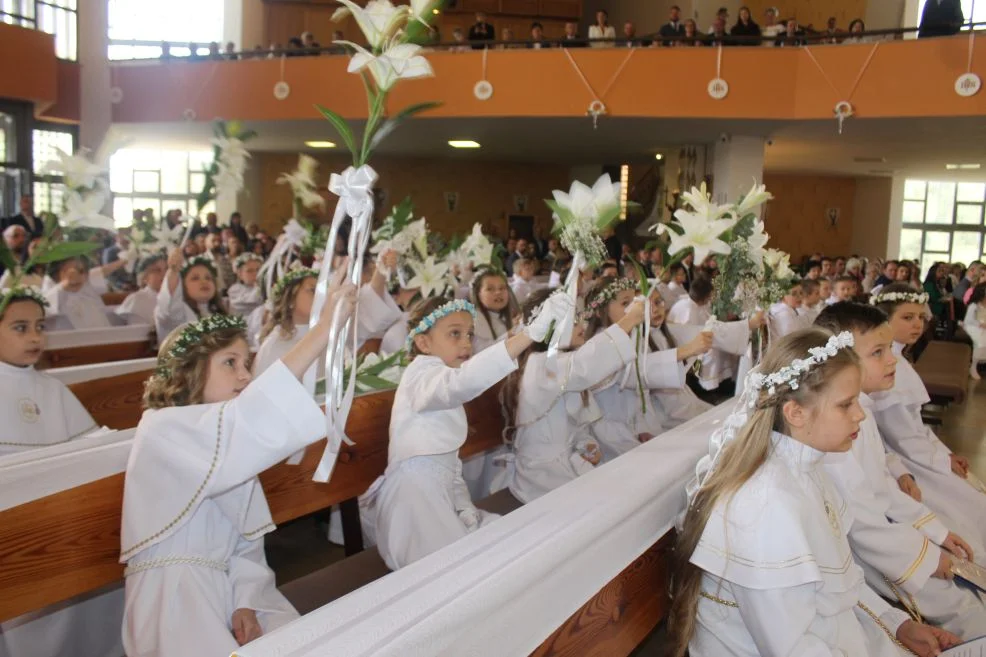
(737, 161)
(94, 74)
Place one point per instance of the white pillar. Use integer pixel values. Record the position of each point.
(896, 217)
(94, 73)
(737, 162)
(233, 24)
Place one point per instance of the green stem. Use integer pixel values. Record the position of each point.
(376, 109)
(640, 381)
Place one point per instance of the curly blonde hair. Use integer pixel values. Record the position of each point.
(282, 315)
(185, 381)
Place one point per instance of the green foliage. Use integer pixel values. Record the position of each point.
(342, 129)
(395, 121)
(63, 251)
(400, 216)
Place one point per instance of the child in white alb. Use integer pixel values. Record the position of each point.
(194, 514)
(189, 293)
(142, 303)
(975, 326)
(245, 295)
(287, 322)
(495, 308)
(421, 503)
(523, 282)
(783, 315)
(763, 565)
(77, 294)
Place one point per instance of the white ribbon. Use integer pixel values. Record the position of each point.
(354, 187)
(642, 348)
(562, 334)
(276, 265)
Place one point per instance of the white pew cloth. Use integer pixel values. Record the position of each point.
(528, 571)
(82, 373)
(89, 337)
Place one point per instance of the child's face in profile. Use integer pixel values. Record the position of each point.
(449, 339)
(303, 301)
(22, 333)
(874, 349)
(844, 290)
(494, 294)
(793, 298)
(617, 308)
(832, 422)
(658, 311)
(907, 322)
(228, 373)
(199, 284)
(248, 273)
(825, 289)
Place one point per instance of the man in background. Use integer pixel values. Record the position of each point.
(33, 225)
(941, 18)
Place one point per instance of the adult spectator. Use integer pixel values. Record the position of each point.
(813, 270)
(236, 225)
(832, 32)
(828, 267)
(481, 32)
(214, 51)
(793, 36)
(572, 38)
(119, 279)
(889, 274)
(939, 302)
(34, 225)
(674, 27)
(630, 36)
(746, 29)
(459, 37)
(691, 37)
(229, 53)
(602, 30)
(507, 35)
(15, 238)
(537, 37)
(840, 266)
(718, 36)
(971, 278)
(941, 18)
(856, 28)
(723, 15)
(309, 42)
(520, 251)
(771, 29)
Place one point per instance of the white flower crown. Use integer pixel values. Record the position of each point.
(790, 374)
(899, 297)
(244, 258)
(425, 325)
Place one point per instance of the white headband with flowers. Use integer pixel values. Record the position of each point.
(790, 374)
(899, 297)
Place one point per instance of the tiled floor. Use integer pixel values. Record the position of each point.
(300, 547)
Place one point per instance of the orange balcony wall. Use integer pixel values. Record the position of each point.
(895, 79)
(30, 70)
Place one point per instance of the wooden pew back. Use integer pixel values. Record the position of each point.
(95, 353)
(66, 544)
(114, 401)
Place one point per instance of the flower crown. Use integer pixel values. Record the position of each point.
(289, 279)
(609, 293)
(790, 374)
(454, 306)
(195, 261)
(193, 333)
(244, 258)
(899, 297)
(8, 296)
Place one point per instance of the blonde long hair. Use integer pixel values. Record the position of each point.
(739, 461)
(282, 314)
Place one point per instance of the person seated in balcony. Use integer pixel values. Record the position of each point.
(309, 42)
(229, 53)
(793, 36)
(572, 38)
(718, 37)
(941, 18)
(481, 32)
(507, 35)
(690, 37)
(746, 29)
(630, 36)
(214, 51)
(723, 15)
(771, 28)
(674, 27)
(601, 30)
(537, 37)
(460, 41)
(832, 33)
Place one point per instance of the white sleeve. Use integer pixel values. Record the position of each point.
(375, 314)
(441, 388)
(905, 510)
(78, 421)
(98, 281)
(732, 337)
(891, 617)
(661, 371)
(905, 433)
(970, 316)
(785, 322)
(597, 359)
(241, 294)
(896, 465)
(761, 609)
(171, 310)
(250, 575)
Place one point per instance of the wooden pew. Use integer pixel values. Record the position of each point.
(114, 298)
(115, 401)
(88, 346)
(58, 547)
(944, 369)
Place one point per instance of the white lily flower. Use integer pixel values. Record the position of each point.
(700, 201)
(230, 165)
(756, 242)
(77, 169)
(590, 204)
(779, 262)
(421, 9)
(700, 234)
(397, 62)
(302, 182)
(378, 21)
(429, 276)
(459, 261)
(84, 211)
(757, 196)
(476, 238)
(415, 234)
(478, 247)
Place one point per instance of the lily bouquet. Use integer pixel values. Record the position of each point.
(374, 372)
(229, 156)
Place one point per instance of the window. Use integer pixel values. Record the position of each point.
(943, 221)
(137, 28)
(59, 18)
(49, 189)
(142, 179)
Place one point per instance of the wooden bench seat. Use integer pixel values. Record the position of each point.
(944, 369)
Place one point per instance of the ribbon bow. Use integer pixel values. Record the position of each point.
(354, 187)
(279, 259)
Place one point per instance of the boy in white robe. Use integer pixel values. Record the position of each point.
(811, 295)
(523, 283)
(421, 503)
(194, 514)
(941, 476)
(245, 295)
(783, 315)
(141, 304)
(904, 549)
(763, 565)
(77, 294)
(38, 411)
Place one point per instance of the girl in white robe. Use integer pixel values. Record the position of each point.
(142, 303)
(731, 338)
(783, 316)
(421, 503)
(905, 550)
(627, 418)
(763, 565)
(38, 411)
(245, 295)
(548, 405)
(189, 293)
(78, 292)
(496, 308)
(287, 322)
(975, 326)
(194, 514)
(941, 475)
